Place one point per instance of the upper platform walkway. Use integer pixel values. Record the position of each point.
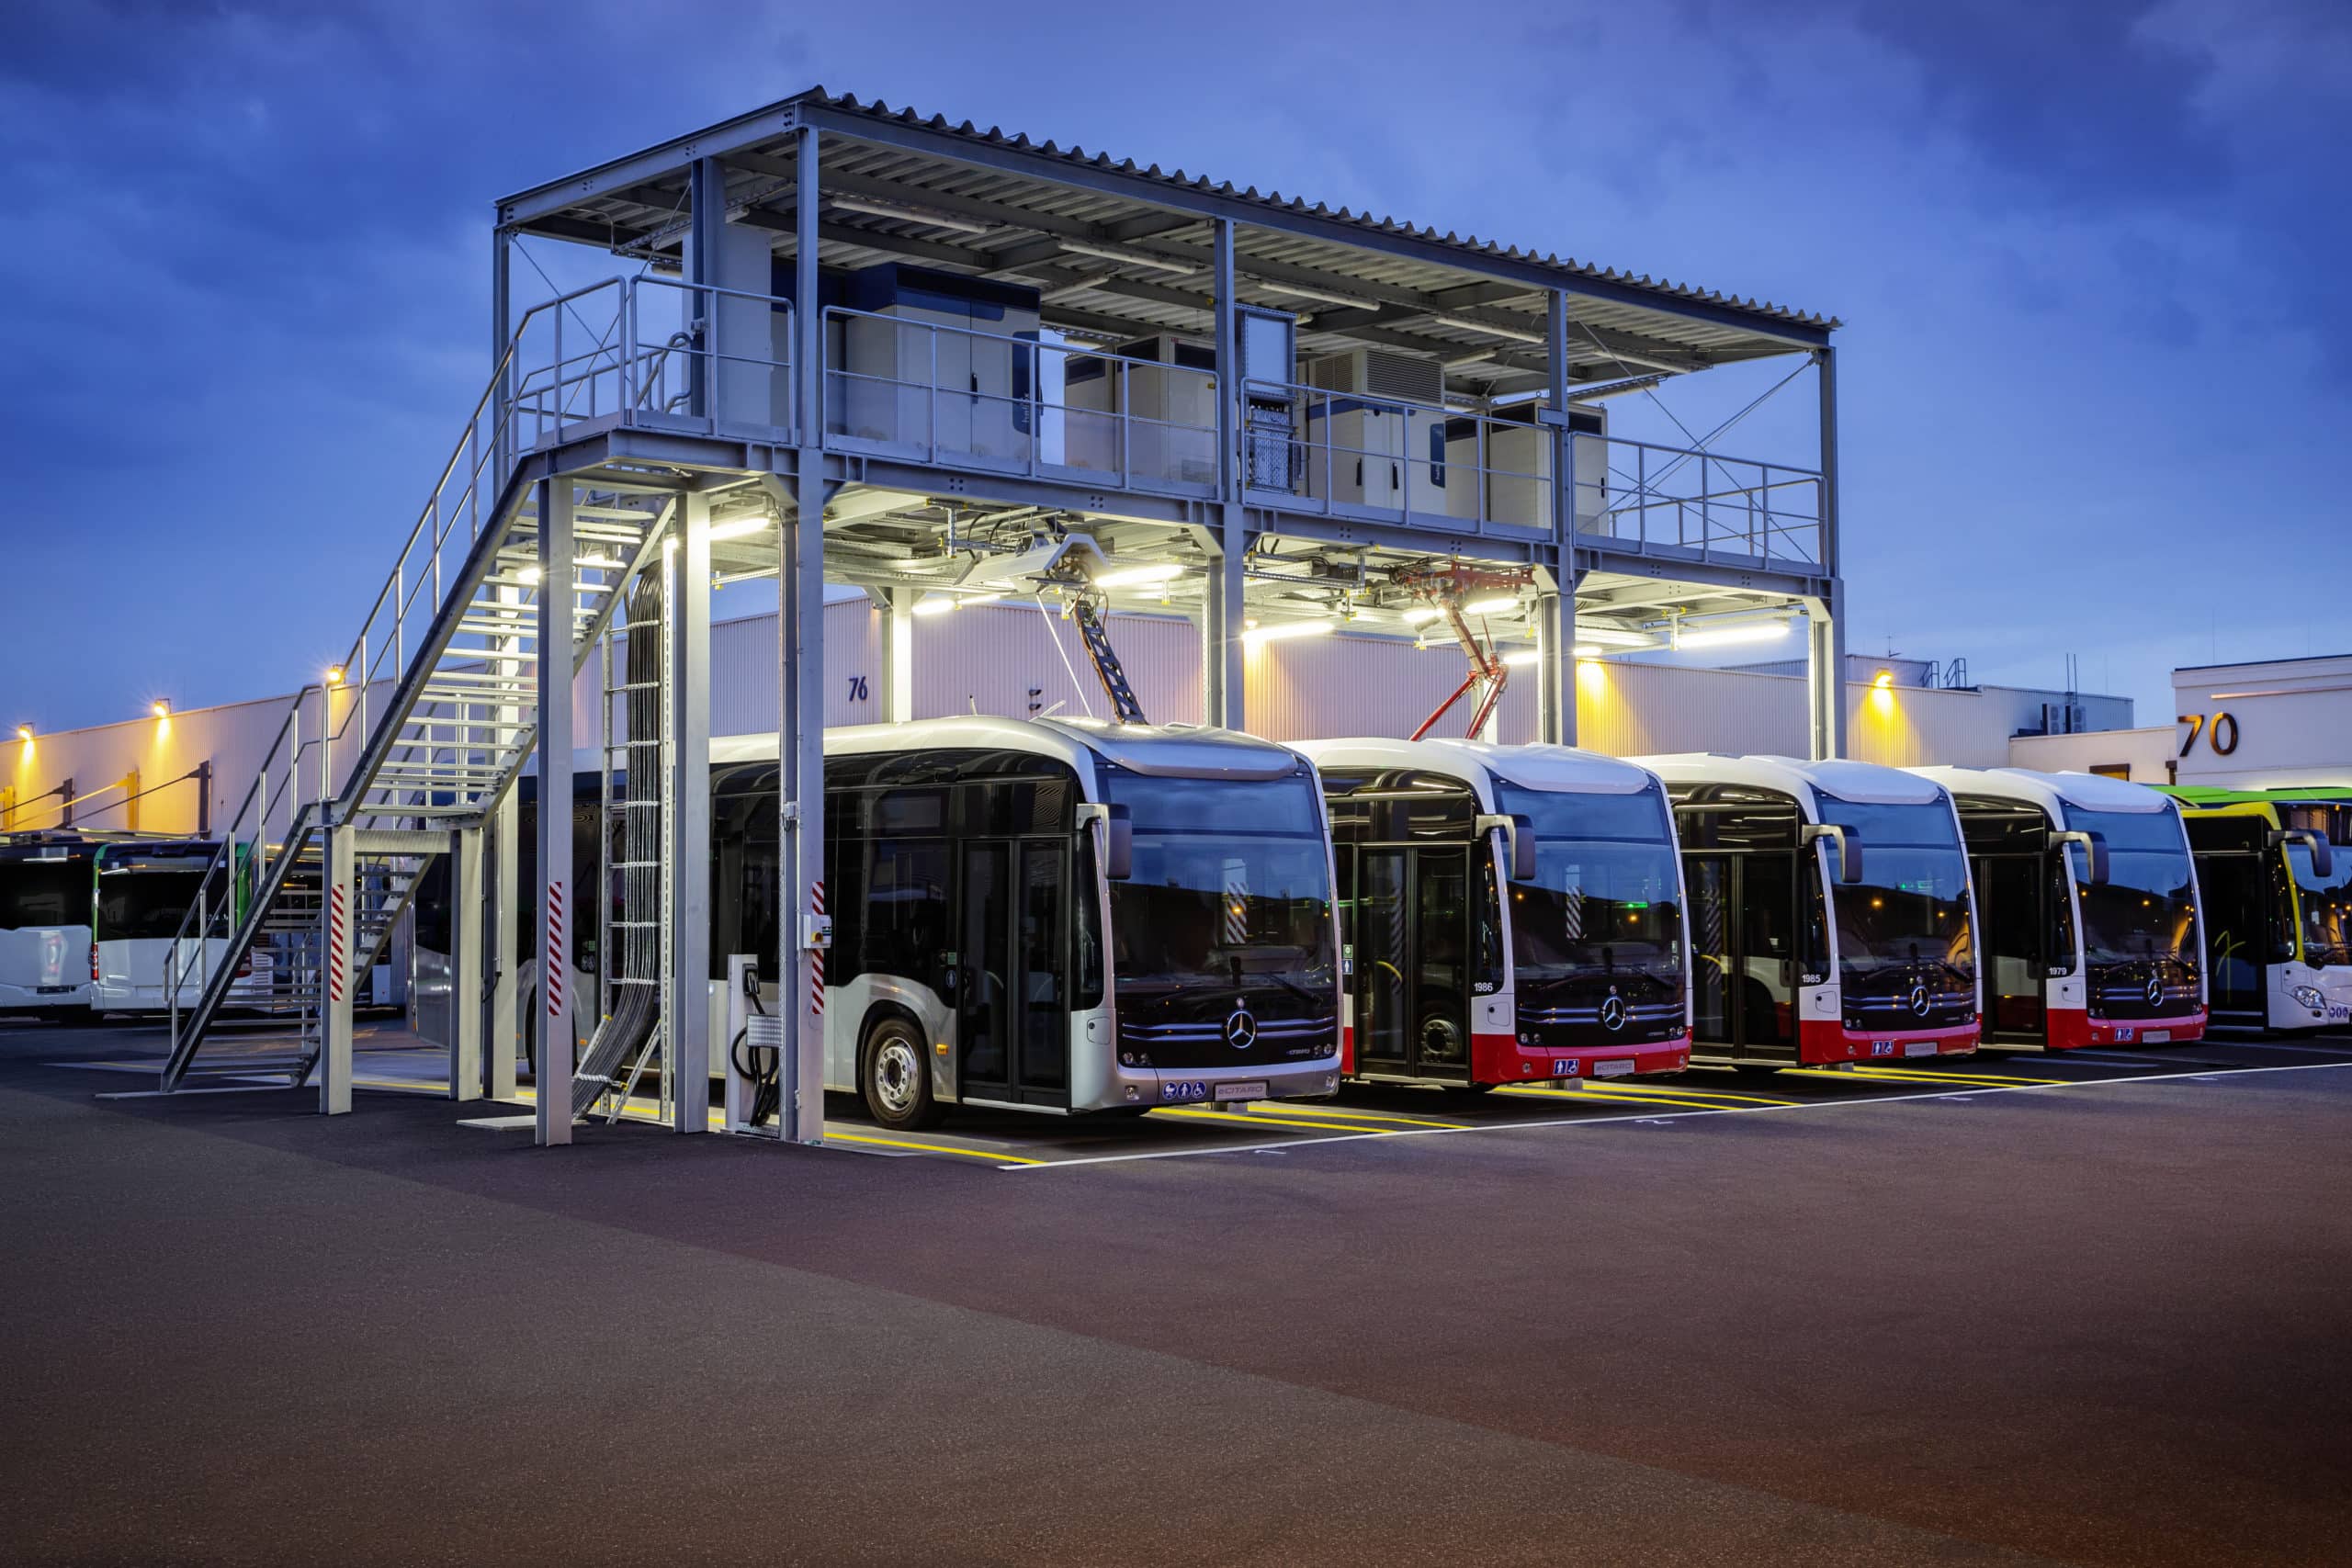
(1026, 325)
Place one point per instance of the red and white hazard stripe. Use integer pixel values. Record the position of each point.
(558, 955)
(817, 955)
(338, 959)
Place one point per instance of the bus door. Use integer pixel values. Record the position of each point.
(1413, 949)
(1011, 971)
(2009, 891)
(1744, 953)
(2237, 936)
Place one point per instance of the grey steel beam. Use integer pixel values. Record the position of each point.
(1555, 605)
(664, 160)
(898, 656)
(800, 702)
(556, 890)
(1224, 202)
(1825, 673)
(1221, 607)
(503, 1038)
(465, 966)
(689, 788)
(339, 918)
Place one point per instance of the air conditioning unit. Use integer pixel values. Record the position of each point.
(1163, 409)
(1372, 442)
(938, 360)
(1517, 464)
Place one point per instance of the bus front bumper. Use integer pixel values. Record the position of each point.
(44, 999)
(1500, 1058)
(1224, 1086)
(2071, 1031)
(1825, 1041)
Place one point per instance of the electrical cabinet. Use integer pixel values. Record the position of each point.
(1517, 467)
(1162, 409)
(1375, 427)
(937, 360)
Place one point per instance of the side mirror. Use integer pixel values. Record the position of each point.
(1118, 844)
(2322, 853)
(1850, 849)
(2094, 849)
(1518, 840)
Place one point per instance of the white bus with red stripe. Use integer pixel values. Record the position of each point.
(2089, 928)
(1511, 914)
(1050, 916)
(1830, 911)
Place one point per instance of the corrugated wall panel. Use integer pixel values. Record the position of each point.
(992, 655)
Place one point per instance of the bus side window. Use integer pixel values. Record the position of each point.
(1086, 928)
(2281, 926)
(1813, 954)
(2059, 957)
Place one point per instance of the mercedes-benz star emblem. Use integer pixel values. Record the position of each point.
(1242, 1030)
(1919, 1003)
(1613, 1013)
(2155, 991)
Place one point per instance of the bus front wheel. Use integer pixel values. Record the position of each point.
(893, 1078)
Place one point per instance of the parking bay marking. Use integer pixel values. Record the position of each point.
(1581, 1122)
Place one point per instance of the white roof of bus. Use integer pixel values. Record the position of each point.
(1864, 781)
(2087, 792)
(1169, 750)
(1563, 770)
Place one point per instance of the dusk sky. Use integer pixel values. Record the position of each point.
(2090, 258)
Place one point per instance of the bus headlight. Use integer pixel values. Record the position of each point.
(2309, 996)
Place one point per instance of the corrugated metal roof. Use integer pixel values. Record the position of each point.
(1018, 189)
(1275, 201)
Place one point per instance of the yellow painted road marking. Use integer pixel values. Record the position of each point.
(1246, 1121)
(1919, 1075)
(1338, 1114)
(1699, 1098)
(1614, 1087)
(993, 1155)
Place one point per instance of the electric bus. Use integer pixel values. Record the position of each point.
(45, 881)
(1831, 915)
(1050, 915)
(2274, 868)
(1509, 914)
(143, 891)
(2088, 929)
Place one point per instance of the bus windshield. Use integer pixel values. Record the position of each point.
(38, 894)
(1905, 947)
(1605, 907)
(2146, 912)
(2326, 904)
(142, 905)
(1228, 908)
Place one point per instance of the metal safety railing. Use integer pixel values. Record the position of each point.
(1352, 454)
(1695, 501)
(958, 397)
(584, 355)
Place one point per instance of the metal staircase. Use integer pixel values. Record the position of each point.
(425, 725)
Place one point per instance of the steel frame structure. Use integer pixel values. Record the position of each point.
(736, 427)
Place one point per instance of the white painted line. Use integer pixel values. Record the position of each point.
(1572, 1123)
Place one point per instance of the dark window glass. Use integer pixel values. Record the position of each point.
(144, 905)
(1905, 927)
(1731, 816)
(1639, 817)
(1086, 927)
(907, 924)
(44, 893)
(2146, 912)
(2237, 945)
(1770, 942)
(2326, 904)
(1603, 911)
(1044, 1022)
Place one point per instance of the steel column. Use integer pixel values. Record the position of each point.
(899, 658)
(503, 923)
(465, 965)
(1555, 605)
(557, 903)
(689, 911)
(1554, 615)
(1222, 675)
(339, 918)
(1826, 663)
(800, 691)
(1825, 673)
